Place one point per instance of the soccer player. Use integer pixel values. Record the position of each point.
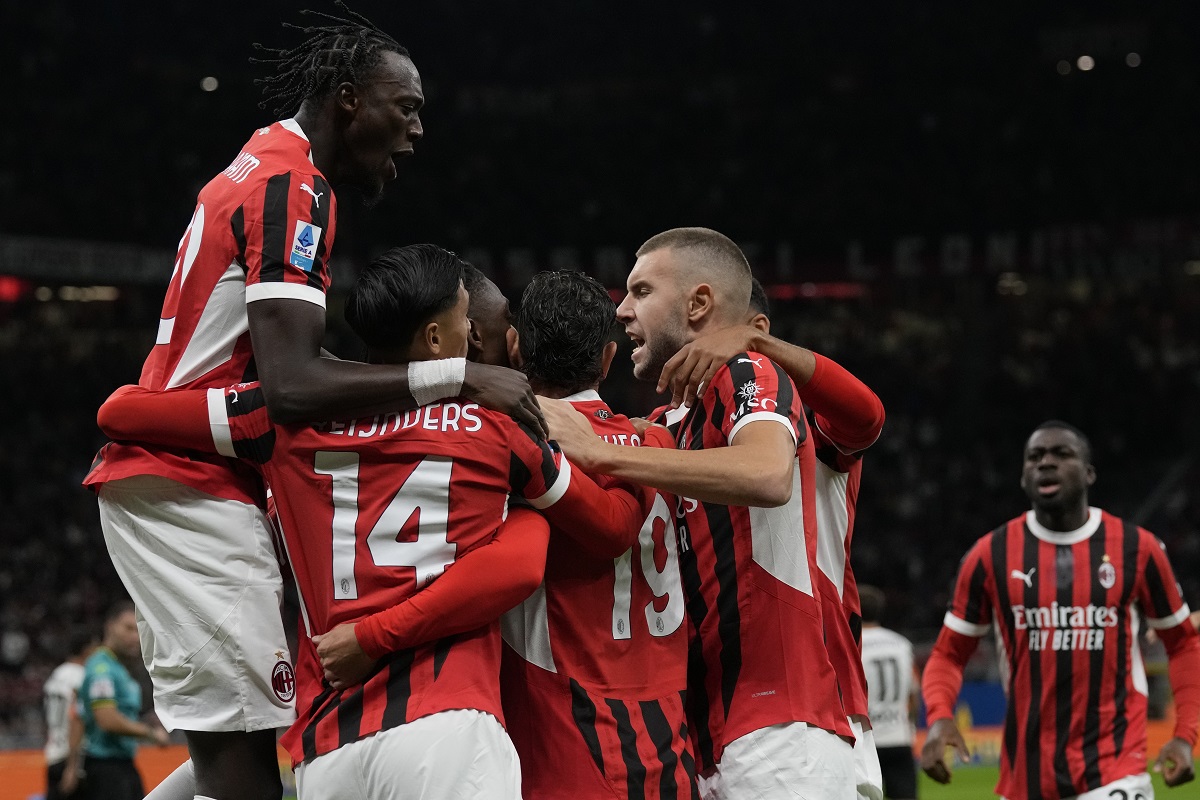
(594, 670)
(62, 720)
(764, 708)
(892, 688)
(372, 510)
(1068, 586)
(110, 701)
(845, 418)
(246, 300)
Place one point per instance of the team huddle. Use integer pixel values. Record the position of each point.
(509, 589)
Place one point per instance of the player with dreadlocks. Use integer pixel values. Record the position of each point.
(186, 531)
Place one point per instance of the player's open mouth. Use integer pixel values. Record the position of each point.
(638, 344)
(1048, 489)
(392, 161)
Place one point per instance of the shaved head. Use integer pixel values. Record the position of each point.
(706, 256)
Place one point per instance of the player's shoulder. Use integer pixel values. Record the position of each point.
(273, 153)
(604, 421)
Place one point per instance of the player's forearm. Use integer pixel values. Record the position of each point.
(170, 419)
(943, 676)
(796, 361)
(323, 389)
(734, 475)
(605, 522)
(474, 591)
(109, 720)
(1184, 672)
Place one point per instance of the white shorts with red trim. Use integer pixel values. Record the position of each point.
(203, 574)
(784, 762)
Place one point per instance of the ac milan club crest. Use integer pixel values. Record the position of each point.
(1107, 573)
(283, 681)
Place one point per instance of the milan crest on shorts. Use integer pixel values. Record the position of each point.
(283, 681)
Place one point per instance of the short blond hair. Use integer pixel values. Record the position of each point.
(712, 257)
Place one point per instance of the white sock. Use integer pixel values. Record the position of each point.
(179, 785)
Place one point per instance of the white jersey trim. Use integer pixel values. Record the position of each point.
(763, 415)
(556, 491)
(586, 396)
(279, 290)
(959, 625)
(526, 629)
(1064, 537)
(1169, 622)
(778, 538)
(833, 519)
(218, 423)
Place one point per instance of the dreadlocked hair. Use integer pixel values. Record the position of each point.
(344, 50)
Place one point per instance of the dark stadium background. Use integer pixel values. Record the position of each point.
(937, 195)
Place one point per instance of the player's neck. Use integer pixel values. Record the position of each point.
(556, 393)
(1067, 519)
(321, 141)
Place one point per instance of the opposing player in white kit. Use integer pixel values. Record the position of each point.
(888, 661)
(58, 699)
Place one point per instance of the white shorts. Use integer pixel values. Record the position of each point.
(203, 575)
(868, 775)
(446, 756)
(788, 761)
(1131, 787)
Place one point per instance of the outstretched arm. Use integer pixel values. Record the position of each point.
(940, 685)
(301, 386)
(475, 590)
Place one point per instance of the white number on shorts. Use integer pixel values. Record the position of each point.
(425, 494)
(665, 583)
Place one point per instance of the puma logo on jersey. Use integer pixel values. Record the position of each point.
(316, 196)
(1025, 576)
(755, 361)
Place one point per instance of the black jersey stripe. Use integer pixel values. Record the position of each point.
(350, 712)
(635, 770)
(1064, 679)
(275, 233)
(1129, 548)
(1098, 551)
(1160, 600)
(399, 688)
(237, 224)
(1033, 722)
(320, 218)
(685, 758)
(661, 736)
(441, 651)
(583, 711)
(1003, 619)
(308, 738)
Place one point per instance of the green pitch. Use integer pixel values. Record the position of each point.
(976, 783)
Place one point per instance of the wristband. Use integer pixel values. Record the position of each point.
(430, 381)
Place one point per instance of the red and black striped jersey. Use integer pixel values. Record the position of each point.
(838, 475)
(758, 654)
(595, 661)
(1068, 607)
(262, 229)
(372, 510)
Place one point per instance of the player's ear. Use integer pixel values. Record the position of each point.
(345, 98)
(429, 339)
(514, 347)
(474, 340)
(1091, 474)
(761, 322)
(610, 350)
(700, 303)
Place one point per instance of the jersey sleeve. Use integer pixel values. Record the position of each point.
(537, 469)
(970, 611)
(749, 388)
(284, 231)
(239, 424)
(1159, 594)
(846, 413)
(98, 688)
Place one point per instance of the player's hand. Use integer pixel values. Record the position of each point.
(69, 781)
(504, 390)
(1175, 762)
(572, 431)
(943, 734)
(698, 361)
(342, 658)
(159, 736)
(640, 424)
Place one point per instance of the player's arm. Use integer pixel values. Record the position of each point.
(301, 386)
(100, 695)
(473, 591)
(968, 618)
(171, 419)
(849, 413)
(756, 466)
(1168, 615)
(74, 763)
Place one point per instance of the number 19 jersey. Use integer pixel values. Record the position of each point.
(594, 666)
(371, 511)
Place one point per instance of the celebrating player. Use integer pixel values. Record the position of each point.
(1068, 586)
(247, 299)
(595, 667)
(765, 712)
(844, 417)
(372, 510)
